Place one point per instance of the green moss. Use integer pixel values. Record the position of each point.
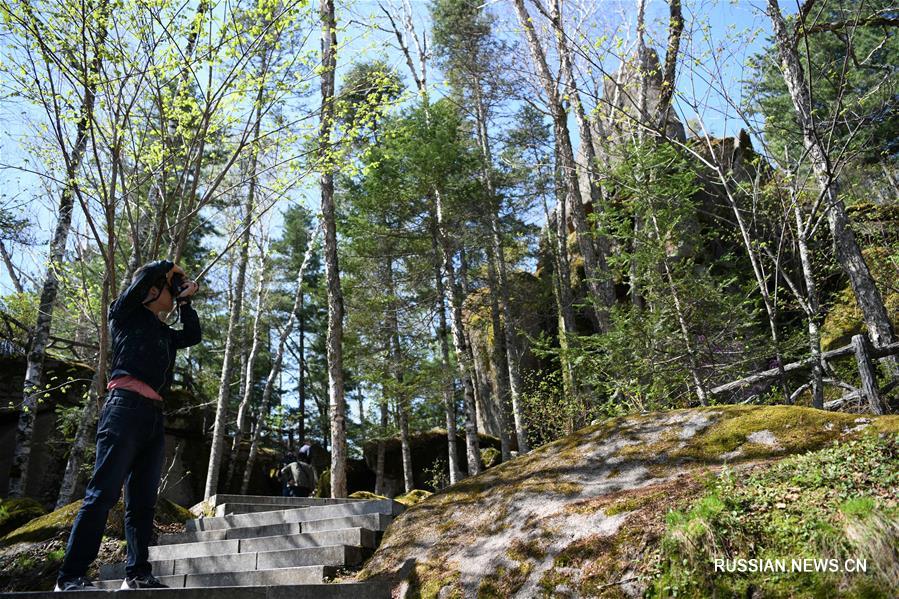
(168, 512)
(408, 499)
(429, 581)
(630, 504)
(413, 497)
(46, 526)
(844, 319)
(490, 457)
(323, 487)
(505, 582)
(508, 580)
(366, 495)
(61, 520)
(795, 429)
(16, 512)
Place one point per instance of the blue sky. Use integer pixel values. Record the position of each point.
(738, 28)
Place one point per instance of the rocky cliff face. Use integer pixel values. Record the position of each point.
(587, 516)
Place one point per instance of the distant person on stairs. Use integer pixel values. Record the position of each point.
(131, 430)
(301, 478)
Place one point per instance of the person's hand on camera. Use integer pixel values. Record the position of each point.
(190, 288)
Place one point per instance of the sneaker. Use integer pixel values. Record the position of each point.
(77, 584)
(142, 582)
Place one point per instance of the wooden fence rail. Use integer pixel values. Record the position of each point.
(865, 354)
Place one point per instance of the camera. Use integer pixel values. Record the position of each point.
(179, 284)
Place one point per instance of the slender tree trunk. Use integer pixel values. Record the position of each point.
(512, 353)
(449, 400)
(593, 190)
(337, 401)
(846, 247)
(812, 310)
(397, 368)
(231, 340)
(406, 446)
(301, 434)
(562, 288)
(11, 269)
(380, 486)
(699, 387)
(498, 361)
(84, 437)
(472, 443)
(278, 360)
(483, 384)
(247, 389)
(760, 278)
(440, 239)
(40, 335)
(593, 267)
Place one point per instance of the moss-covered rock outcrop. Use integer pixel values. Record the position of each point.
(586, 516)
(31, 555)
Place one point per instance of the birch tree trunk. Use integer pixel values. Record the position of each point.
(337, 401)
(87, 423)
(231, 340)
(40, 335)
(472, 444)
(278, 361)
(449, 400)
(301, 433)
(846, 247)
(247, 389)
(441, 241)
(403, 419)
(557, 230)
(812, 310)
(11, 269)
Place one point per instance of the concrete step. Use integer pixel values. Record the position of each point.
(318, 512)
(331, 555)
(280, 576)
(217, 500)
(359, 537)
(228, 509)
(375, 522)
(358, 590)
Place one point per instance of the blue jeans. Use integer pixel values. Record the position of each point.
(130, 451)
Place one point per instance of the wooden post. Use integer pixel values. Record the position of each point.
(866, 373)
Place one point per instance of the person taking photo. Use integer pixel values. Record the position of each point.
(131, 428)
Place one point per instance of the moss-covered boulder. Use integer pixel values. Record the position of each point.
(585, 516)
(17, 511)
(47, 526)
(411, 498)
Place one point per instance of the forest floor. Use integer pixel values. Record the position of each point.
(591, 515)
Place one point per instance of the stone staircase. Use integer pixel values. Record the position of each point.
(266, 548)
